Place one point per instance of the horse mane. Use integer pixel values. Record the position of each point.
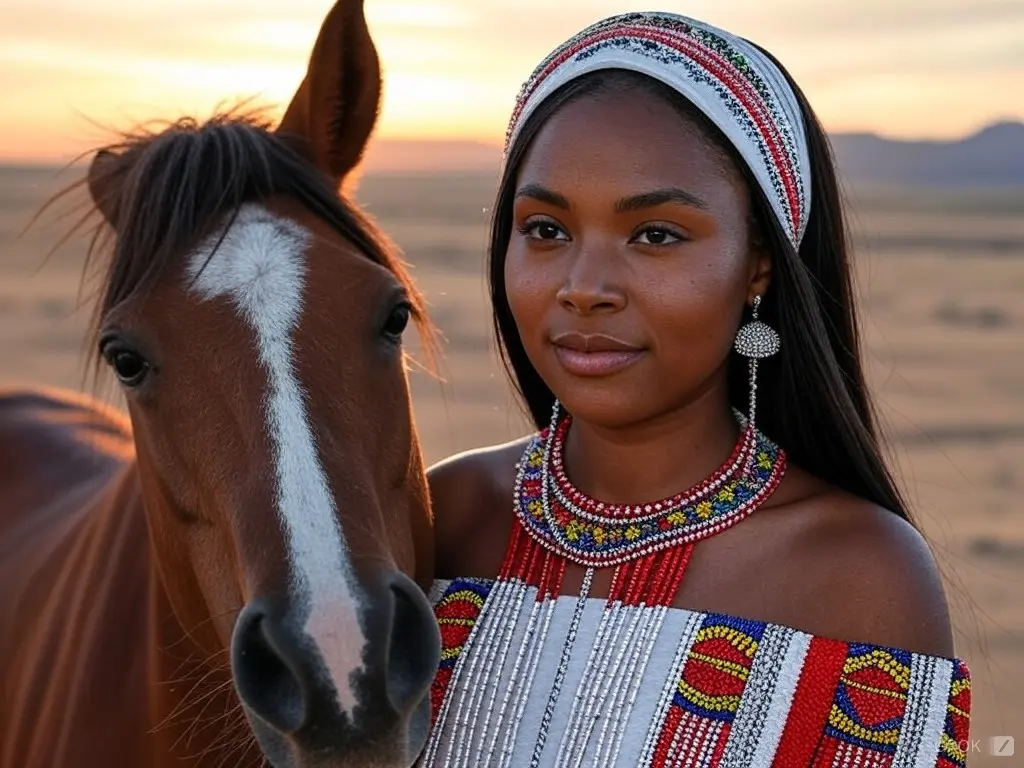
(179, 181)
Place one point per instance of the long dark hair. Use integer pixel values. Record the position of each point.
(812, 396)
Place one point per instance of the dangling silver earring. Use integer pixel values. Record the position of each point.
(756, 340)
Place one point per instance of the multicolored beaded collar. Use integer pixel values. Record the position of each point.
(730, 80)
(592, 533)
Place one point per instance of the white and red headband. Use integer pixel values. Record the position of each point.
(733, 83)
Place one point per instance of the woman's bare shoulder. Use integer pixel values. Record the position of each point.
(877, 566)
(465, 491)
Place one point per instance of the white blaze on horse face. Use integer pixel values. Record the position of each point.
(260, 266)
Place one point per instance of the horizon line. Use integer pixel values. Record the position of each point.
(59, 161)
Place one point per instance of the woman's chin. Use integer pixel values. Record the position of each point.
(608, 407)
(611, 400)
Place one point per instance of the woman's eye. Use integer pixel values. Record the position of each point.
(657, 236)
(543, 230)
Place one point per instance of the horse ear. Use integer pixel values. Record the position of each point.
(104, 179)
(336, 106)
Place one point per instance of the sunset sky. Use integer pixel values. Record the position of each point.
(903, 68)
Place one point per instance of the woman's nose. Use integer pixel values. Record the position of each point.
(591, 284)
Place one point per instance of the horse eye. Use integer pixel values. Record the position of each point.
(397, 321)
(129, 366)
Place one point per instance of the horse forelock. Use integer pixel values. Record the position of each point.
(178, 184)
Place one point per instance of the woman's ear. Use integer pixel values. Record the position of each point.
(760, 276)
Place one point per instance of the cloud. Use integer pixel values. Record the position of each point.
(419, 15)
(907, 17)
(931, 54)
(829, 48)
(915, 109)
(215, 31)
(459, 63)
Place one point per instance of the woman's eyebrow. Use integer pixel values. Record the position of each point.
(544, 195)
(659, 197)
(623, 205)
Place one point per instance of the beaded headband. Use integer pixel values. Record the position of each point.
(733, 83)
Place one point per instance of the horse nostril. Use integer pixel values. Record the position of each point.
(414, 648)
(266, 683)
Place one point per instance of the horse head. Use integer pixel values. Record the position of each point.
(253, 318)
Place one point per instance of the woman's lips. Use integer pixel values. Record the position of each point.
(593, 363)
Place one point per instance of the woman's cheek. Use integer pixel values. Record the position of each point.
(527, 286)
(690, 304)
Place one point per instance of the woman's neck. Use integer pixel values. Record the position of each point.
(654, 459)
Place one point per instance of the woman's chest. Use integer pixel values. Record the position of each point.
(756, 569)
(563, 683)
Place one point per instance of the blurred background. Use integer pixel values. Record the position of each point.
(924, 101)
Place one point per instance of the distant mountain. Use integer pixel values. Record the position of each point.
(994, 156)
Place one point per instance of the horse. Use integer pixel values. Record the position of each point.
(233, 569)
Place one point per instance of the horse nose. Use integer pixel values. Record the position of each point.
(271, 668)
(414, 645)
(282, 678)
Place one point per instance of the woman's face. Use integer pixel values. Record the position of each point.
(629, 264)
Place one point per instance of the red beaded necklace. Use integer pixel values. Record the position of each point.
(584, 530)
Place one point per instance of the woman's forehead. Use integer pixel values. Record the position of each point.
(626, 138)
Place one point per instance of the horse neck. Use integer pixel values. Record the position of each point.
(183, 691)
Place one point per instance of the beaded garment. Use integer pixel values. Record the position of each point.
(531, 678)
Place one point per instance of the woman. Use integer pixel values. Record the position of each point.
(697, 559)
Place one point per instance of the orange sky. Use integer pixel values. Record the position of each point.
(914, 68)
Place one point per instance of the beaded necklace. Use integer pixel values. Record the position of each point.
(648, 544)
